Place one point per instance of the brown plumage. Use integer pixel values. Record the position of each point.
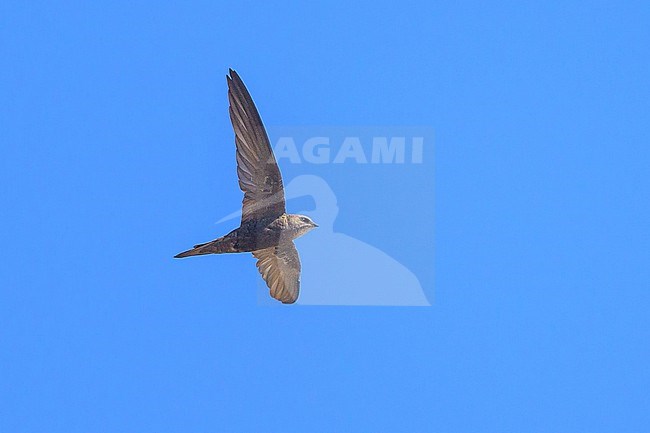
(266, 229)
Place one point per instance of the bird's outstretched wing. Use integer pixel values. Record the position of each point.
(280, 268)
(259, 175)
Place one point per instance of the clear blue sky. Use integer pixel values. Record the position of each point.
(117, 154)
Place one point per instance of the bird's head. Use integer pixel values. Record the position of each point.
(301, 224)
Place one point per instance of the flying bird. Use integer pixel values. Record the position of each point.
(266, 229)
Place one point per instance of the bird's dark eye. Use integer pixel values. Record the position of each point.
(304, 220)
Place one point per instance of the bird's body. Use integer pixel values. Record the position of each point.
(266, 229)
(253, 235)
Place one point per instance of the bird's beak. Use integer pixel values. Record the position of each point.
(315, 225)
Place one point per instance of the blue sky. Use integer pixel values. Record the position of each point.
(117, 153)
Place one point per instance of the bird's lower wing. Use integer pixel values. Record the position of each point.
(280, 268)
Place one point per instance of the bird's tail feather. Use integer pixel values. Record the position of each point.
(193, 252)
(222, 245)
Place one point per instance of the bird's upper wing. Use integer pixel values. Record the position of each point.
(280, 268)
(259, 175)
